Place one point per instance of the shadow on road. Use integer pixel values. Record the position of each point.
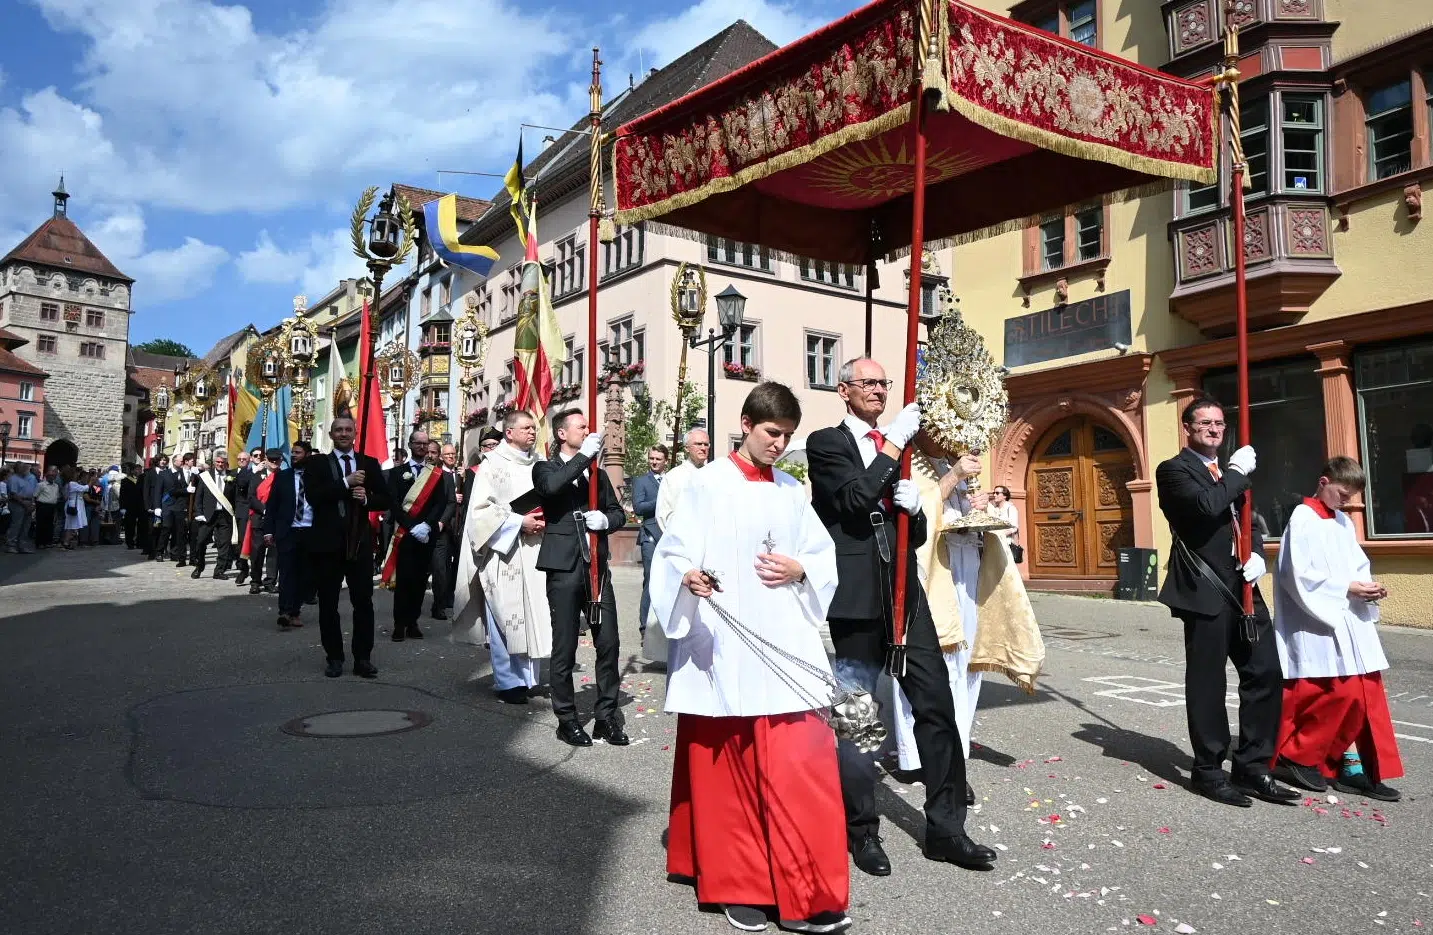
(160, 786)
(1155, 754)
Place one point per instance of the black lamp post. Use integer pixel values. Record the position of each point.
(731, 305)
(4, 441)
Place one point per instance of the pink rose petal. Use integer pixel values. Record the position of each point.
(1145, 920)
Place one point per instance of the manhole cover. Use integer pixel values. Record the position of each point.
(356, 723)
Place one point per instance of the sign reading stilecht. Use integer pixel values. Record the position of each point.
(1066, 330)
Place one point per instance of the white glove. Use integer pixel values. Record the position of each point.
(904, 426)
(591, 445)
(1244, 460)
(189, 489)
(200, 519)
(157, 512)
(1254, 568)
(420, 532)
(595, 520)
(907, 497)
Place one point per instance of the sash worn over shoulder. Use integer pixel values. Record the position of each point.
(218, 493)
(415, 501)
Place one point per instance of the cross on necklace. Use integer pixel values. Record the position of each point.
(769, 543)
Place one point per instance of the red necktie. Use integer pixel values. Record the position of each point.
(1218, 475)
(876, 436)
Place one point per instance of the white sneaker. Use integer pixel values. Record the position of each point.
(746, 918)
(825, 922)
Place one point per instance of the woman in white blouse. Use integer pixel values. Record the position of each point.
(1000, 507)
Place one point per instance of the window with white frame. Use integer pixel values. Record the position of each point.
(485, 305)
(625, 250)
(1052, 244)
(1301, 128)
(570, 271)
(425, 303)
(737, 253)
(572, 362)
(25, 424)
(1254, 136)
(320, 387)
(507, 381)
(628, 345)
(842, 275)
(1089, 233)
(512, 293)
(821, 350)
(742, 348)
(445, 292)
(480, 391)
(27, 391)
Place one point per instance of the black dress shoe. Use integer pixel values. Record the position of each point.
(959, 850)
(334, 669)
(572, 734)
(242, 580)
(870, 857)
(516, 695)
(611, 732)
(311, 601)
(969, 795)
(197, 573)
(1220, 790)
(397, 635)
(181, 564)
(221, 576)
(365, 669)
(439, 614)
(413, 633)
(1304, 777)
(255, 589)
(1264, 787)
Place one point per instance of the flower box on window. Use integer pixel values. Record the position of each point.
(476, 418)
(623, 373)
(501, 410)
(735, 371)
(424, 416)
(429, 348)
(566, 392)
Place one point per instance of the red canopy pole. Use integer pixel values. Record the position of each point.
(1241, 295)
(594, 216)
(913, 310)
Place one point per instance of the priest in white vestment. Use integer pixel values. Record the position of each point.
(1325, 626)
(757, 819)
(500, 547)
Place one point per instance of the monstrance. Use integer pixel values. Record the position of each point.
(962, 398)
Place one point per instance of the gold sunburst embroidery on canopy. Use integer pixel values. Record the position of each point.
(872, 170)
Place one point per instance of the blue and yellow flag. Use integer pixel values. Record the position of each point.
(517, 191)
(441, 218)
(273, 428)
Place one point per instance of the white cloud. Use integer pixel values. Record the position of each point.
(160, 275)
(267, 263)
(665, 39)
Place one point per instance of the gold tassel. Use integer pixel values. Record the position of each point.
(606, 230)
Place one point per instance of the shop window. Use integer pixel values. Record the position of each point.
(1389, 123)
(1286, 404)
(1395, 414)
(1302, 132)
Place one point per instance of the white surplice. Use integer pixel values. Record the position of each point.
(673, 483)
(503, 560)
(721, 522)
(964, 554)
(1320, 631)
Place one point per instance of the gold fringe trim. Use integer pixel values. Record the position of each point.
(606, 230)
(1079, 149)
(855, 133)
(1025, 683)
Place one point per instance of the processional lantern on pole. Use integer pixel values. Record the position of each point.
(299, 339)
(160, 406)
(265, 369)
(470, 351)
(689, 302)
(963, 401)
(398, 366)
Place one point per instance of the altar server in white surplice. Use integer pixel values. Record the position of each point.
(500, 547)
(1325, 626)
(756, 809)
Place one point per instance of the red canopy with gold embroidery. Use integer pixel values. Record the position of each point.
(809, 148)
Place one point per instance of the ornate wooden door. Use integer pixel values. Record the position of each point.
(1078, 503)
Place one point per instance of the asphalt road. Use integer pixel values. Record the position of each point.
(149, 788)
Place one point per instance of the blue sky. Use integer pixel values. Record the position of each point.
(213, 151)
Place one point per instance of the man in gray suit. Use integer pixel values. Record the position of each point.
(644, 504)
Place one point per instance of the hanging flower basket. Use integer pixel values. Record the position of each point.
(501, 410)
(424, 416)
(735, 371)
(476, 418)
(429, 348)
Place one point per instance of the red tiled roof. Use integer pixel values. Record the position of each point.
(150, 377)
(59, 244)
(10, 340)
(11, 363)
(469, 209)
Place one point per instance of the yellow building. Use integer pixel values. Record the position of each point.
(1113, 318)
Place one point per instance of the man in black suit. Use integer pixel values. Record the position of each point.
(288, 532)
(336, 485)
(132, 504)
(561, 485)
(246, 481)
(415, 532)
(263, 558)
(854, 473)
(214, 517)
(151, 492)
(446, 542)
(1204, 588)
(174, 516)
(644, 504)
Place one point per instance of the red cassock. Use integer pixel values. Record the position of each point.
(1323, 717)
(757, 817)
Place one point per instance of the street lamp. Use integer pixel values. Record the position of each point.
(689, 302)
(4, 441)
(731, 306)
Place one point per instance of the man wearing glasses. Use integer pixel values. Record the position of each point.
(1203, 588)
(855, 471)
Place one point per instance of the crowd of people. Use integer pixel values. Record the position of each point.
(67, 507)
(775, 774)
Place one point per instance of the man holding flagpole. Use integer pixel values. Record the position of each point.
(422, 504)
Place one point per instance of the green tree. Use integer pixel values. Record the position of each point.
(166, 346)
(650, 423)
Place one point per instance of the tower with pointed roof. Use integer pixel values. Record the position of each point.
(71, 306)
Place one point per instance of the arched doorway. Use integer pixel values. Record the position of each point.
(1079, 505)
(60, 453)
